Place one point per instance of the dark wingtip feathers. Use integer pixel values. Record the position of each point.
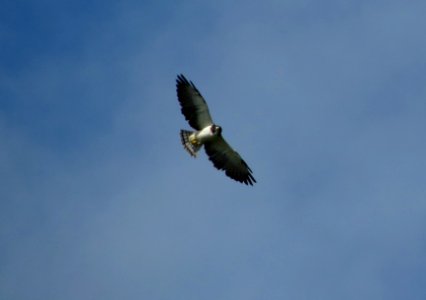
(181, 80)
(249, 179)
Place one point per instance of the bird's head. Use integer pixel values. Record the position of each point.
(216, 130)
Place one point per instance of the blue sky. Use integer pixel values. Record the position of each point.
(325, 100)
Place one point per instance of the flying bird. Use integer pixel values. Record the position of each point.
(196, 112)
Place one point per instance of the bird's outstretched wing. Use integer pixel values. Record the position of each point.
(193, 105)
(227, 159)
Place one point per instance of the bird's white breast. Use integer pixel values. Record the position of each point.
(205, 134)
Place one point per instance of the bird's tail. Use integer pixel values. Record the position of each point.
(189, 142)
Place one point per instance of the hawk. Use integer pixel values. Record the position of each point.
(196, 112)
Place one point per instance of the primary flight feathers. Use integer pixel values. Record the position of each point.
(208, 134)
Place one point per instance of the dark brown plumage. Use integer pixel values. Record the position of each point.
(196, 112)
